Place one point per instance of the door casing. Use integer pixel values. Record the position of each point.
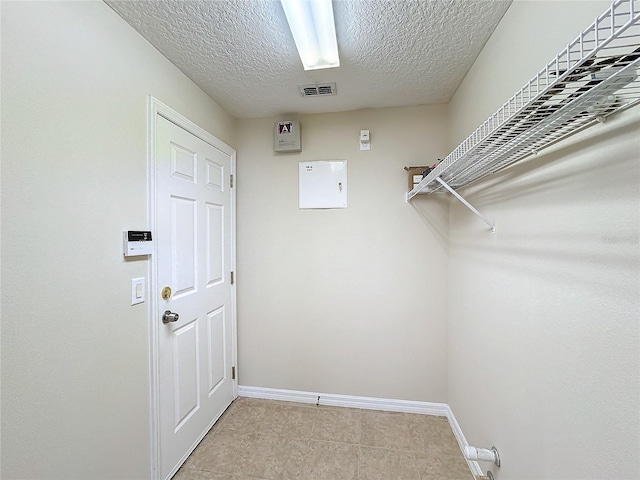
(155, 109)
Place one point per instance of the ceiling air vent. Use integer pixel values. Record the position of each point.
(317, 90)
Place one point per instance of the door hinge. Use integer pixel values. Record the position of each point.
(231, 181)
(233, 280)
(233, 373)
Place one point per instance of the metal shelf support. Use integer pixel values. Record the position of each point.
(467, 204)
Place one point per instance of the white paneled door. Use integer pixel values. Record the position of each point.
(194, 289)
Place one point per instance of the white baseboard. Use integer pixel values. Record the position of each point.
(368, 403)
(331, 399)
(462, 441)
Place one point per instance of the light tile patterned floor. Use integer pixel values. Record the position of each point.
(268, 440)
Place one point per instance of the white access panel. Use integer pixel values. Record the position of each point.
(323, 184)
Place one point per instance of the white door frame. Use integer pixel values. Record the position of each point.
(155, 109)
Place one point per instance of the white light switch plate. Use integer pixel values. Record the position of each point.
(138, 290)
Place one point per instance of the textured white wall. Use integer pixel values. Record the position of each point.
(75, 389)
(544, 322)
(334, 301)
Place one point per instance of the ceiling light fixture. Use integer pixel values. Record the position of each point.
(311, 23)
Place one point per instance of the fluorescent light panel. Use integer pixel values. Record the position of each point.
(311, 23)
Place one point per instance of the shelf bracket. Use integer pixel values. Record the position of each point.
(467, 204)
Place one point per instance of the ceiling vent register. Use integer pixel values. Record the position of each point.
(317, 90)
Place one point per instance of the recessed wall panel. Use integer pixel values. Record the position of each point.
(215, 244)
(215, 174)
(183, 163)
(217, 348)
(183, 244)
(186, 373)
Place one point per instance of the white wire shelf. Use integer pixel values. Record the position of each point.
(594, 77)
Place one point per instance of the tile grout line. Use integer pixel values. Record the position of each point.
(316, 432)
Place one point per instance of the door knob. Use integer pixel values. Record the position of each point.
(170, 317)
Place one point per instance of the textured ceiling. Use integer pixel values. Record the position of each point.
(392, 52)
